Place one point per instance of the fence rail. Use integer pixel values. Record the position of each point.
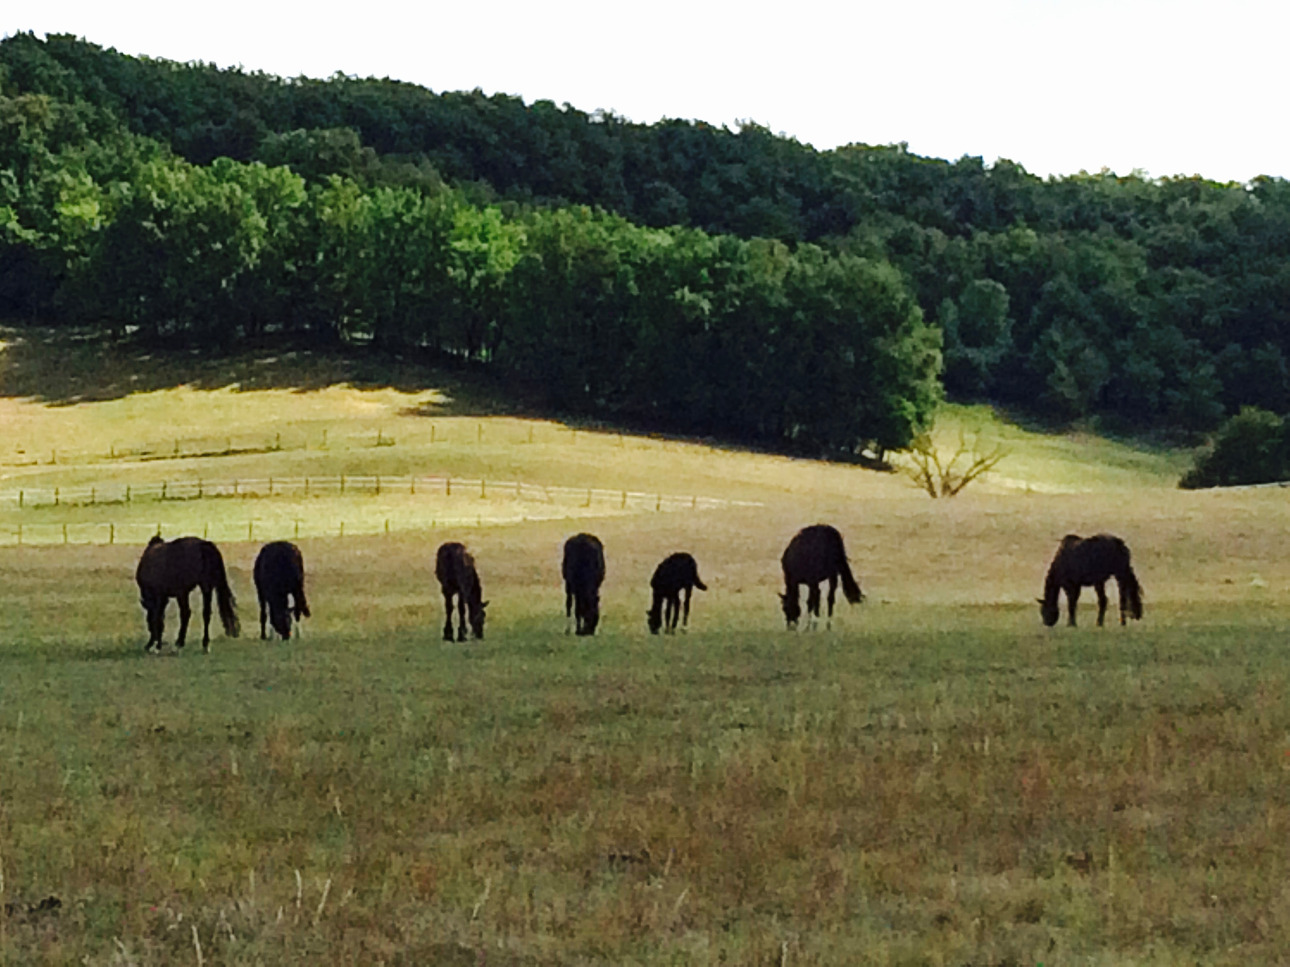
(370, 484)
(539, 502)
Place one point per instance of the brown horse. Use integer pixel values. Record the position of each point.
(171, 569)
(455, 569)
(280, 585)
(678, 572)
(1081, 562)
(815, 554)
(583, 570)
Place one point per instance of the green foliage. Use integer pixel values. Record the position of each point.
(1252, 447)
(1151, 303)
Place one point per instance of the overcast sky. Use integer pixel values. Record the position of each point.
(1165, 86)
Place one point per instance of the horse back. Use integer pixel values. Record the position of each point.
(279, 565)
(816, 553)
(584, 562)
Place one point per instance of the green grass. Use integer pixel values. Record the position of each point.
(939, 780)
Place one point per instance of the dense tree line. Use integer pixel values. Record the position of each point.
(801, 348)
(1141, 302)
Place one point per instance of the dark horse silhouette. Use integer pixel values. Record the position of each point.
(455, 569)
(280, 575)
(584, 572)
(675, 574)
(171, 569)
(816, 554)
(1081, 562)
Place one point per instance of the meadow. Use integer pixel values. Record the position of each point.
(937, 780)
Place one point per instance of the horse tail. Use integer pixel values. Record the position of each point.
(223, 593)
(699, 584)
(849, 586)
(1131, 587)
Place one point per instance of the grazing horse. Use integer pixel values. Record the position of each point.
(455, 569)
(171, 569)
(584, 572)
(1081, 562)
(677, 573)
(280, 575)
(815, 554)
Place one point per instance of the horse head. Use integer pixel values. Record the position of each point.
(792, 609)
(1048, 610)
(477, 619)
(280, 618)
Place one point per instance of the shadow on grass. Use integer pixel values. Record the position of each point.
(63, 367)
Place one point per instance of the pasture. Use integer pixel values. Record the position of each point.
(939, 780)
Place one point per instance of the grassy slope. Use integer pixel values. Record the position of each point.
(940, 780)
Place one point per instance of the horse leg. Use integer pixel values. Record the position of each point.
(833, 593)
(813, 606)
(264, 607)
(206, 618)
(1119, 584)
(1101, 601)
(185, 612)
(447, 624)
(685, 619)
(156, 624)
(568, 610)
(1072, 599)
(461, 616)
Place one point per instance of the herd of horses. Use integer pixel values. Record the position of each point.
(815, 556)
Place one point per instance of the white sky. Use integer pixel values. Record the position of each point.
(1166, 86)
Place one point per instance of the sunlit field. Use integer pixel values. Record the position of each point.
(939, 779)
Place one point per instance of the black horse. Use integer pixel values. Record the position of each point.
(280, 585)
(455, 569)
(816, 554)
(584, 572)
(1081, 562)
(171, 569)
(675, 574)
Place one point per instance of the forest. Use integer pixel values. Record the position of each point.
(678, 275)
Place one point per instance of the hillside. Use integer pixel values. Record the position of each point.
(219, 204)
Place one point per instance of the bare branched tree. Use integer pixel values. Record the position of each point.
(945, 478)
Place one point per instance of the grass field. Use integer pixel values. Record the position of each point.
(939, 780)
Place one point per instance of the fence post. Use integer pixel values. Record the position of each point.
(588, 497)
(447, 487)
(55, 496)
(481, 433)
(250, 530)
(111, 533)
(412, 485)
(483, 489)
(624, 507)
(163, 489)
(658, 502)
(378, 485)
(306, 486)
(342, 528)
(199, 488)
(432, 433)
(270, 486)
(93, 495)
(127, 493)
(20, 496)
(234, 488)
(342, 485)
(64, 533)
(297, 527)
(387, 525)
